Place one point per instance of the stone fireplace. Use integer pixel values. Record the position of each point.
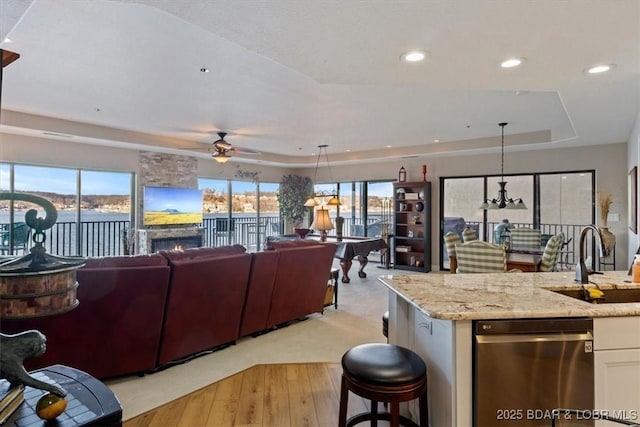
(157, 239)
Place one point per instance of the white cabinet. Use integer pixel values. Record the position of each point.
(617, 367)
(445, 347)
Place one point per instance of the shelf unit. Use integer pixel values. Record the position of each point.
(412, 226)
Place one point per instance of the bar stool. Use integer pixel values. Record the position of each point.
(385, 324)
(383, 373)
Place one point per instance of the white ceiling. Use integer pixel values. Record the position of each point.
(288, 75)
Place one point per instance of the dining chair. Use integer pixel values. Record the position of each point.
(450, 241)
(469, 234)
(552, 253)
(21, 236)
(478, 256)
(525, 237)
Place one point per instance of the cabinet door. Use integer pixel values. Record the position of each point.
(617, 384)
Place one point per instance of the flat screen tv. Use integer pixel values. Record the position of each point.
(171, 206)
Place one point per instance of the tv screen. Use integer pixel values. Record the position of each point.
(172, 206)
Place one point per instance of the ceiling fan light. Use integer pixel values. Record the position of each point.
(221, 158)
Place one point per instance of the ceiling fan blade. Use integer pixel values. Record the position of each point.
(244, 150)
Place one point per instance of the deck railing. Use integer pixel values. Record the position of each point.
(108, 238)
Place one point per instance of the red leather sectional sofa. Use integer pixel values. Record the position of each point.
(140, 313)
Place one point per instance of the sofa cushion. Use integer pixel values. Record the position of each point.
(194, 253)
(126, 261)
(283, 244)
(204, 304)
(264, 266)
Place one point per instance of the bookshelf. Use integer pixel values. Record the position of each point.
(412, 226)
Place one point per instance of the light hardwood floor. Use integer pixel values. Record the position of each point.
(275, 395)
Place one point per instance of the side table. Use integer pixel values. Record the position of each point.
(333, 276)
(89, 401)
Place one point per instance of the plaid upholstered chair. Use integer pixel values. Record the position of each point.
(469, 234)
(479, 256)
(450, 240)
(525, 237)
(552, 253)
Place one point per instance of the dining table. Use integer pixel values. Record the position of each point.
(525, 262)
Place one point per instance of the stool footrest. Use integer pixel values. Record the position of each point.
(380, 416)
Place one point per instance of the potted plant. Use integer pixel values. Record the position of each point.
(294, 191)
(605, 201)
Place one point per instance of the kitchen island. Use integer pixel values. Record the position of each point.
(434, 315)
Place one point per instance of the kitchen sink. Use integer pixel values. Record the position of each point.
(611, 296)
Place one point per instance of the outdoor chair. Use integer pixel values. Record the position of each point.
(21, 234)
(478, 256)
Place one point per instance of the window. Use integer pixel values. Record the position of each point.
(94, 207)
(557, 202)
(246, 217)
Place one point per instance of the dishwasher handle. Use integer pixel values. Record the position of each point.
(520, 338)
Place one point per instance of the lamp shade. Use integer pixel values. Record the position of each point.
(334, 201)
(311, 202)
(322, 221)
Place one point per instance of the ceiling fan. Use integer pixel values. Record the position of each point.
(220, 149)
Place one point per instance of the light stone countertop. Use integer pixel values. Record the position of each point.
(507, 295)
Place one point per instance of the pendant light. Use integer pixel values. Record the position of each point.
(503, 201)
(333, 197)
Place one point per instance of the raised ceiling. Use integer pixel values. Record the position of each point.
(285, 76)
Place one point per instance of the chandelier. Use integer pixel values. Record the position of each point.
(322, 195)
(503, 201)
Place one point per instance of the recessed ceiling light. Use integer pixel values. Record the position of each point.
(388, 146)
(436, 140)
(602, 68)
(414, 56)
(348, 150)
(7, 40)
(512, 62)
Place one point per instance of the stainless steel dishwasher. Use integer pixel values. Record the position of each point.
(523, 369)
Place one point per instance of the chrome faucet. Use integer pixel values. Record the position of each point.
(582, 274)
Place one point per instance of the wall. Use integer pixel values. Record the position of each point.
(610, 162)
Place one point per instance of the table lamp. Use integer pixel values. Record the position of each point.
(322, 223)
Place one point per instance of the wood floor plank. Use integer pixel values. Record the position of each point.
(225, 404)
(303, 411)
(196, 412)
(325, 396)
(251, 404)
(276, 397)
(169, 414)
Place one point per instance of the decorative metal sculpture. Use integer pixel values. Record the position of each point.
(34, 285)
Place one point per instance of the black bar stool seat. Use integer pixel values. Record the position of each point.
(383, 373)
